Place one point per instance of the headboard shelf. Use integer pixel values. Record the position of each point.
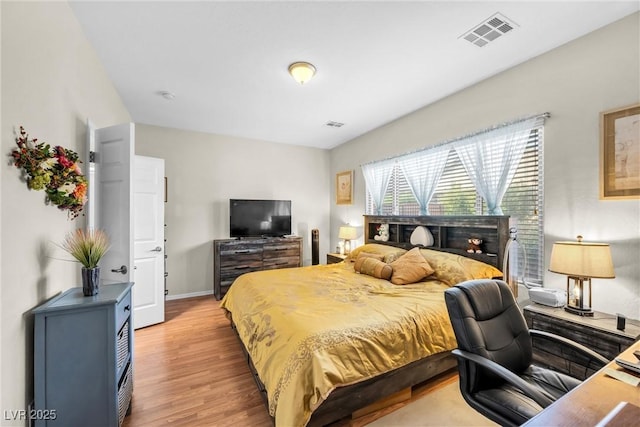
(450, 233)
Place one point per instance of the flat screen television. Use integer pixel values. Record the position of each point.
(259, 218)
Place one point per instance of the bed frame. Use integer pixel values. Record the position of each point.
(451, 234)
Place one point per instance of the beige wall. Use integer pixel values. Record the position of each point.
(52, 81)
(204, 171)
(574, 83)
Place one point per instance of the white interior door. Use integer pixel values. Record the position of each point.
(114, 151)
(148, 293)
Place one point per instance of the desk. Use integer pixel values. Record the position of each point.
(592, 400)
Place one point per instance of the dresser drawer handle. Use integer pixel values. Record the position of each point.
(127, 308)
(241, 267)
(243, 251)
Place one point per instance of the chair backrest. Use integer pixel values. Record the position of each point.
(487, 321)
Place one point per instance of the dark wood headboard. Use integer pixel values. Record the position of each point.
(450, 233)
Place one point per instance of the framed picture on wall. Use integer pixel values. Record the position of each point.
(620, 153)
(344, 188)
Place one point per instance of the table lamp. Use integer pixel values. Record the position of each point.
(347, 233)
(581, 261)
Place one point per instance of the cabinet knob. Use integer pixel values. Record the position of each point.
(127, 308)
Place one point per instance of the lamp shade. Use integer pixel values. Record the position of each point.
(302, 72)
(582, 259)
(348, 233)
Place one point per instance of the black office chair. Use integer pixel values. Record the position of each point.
(494, 354)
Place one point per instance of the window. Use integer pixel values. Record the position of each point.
(456, 194)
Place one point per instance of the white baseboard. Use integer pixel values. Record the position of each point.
(189, 295)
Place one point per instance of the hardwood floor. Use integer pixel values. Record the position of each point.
(190, 371)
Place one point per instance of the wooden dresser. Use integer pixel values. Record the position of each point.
(234, 257)
(83, 358)
(598, 333)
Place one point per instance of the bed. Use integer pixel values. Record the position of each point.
(325, 340)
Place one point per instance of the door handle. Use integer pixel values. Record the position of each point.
(157, 249)
(122, 269)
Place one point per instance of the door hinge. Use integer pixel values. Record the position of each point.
(92, 156)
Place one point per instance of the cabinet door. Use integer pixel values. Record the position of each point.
(75, 374)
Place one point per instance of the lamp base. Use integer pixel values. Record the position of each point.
(586, 312)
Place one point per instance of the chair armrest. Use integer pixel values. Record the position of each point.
(499, 370)
(571, 344)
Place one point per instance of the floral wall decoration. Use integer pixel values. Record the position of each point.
(55, 170)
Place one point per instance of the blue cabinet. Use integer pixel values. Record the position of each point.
(83, 358)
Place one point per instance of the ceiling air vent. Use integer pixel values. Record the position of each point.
(489, 30)
(334, 124)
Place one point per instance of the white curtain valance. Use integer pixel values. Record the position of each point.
(491, 159)
(376, 177)
(423, 170)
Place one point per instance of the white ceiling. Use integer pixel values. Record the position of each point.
(226, 62)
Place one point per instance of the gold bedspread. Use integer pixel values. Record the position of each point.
(311, 329)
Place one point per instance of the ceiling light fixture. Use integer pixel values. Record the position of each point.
(302, 72)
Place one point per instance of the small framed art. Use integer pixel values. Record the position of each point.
(620, 153)
(344, 188)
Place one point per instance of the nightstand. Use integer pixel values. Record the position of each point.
(333, 258)
(598, 333)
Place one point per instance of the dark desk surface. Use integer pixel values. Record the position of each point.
(592, 400)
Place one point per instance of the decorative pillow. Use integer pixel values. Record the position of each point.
(453, 268)
(373, 267)
(390, 253)
(410, 268)
(379, 257)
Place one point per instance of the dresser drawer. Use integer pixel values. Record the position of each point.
(123, 310)
(284, 262)
(233, 262)
(125, 391)
(281, 251)
(232, 250)
(229, 274)
(281, 254)
(601, 342)
(282, 246)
